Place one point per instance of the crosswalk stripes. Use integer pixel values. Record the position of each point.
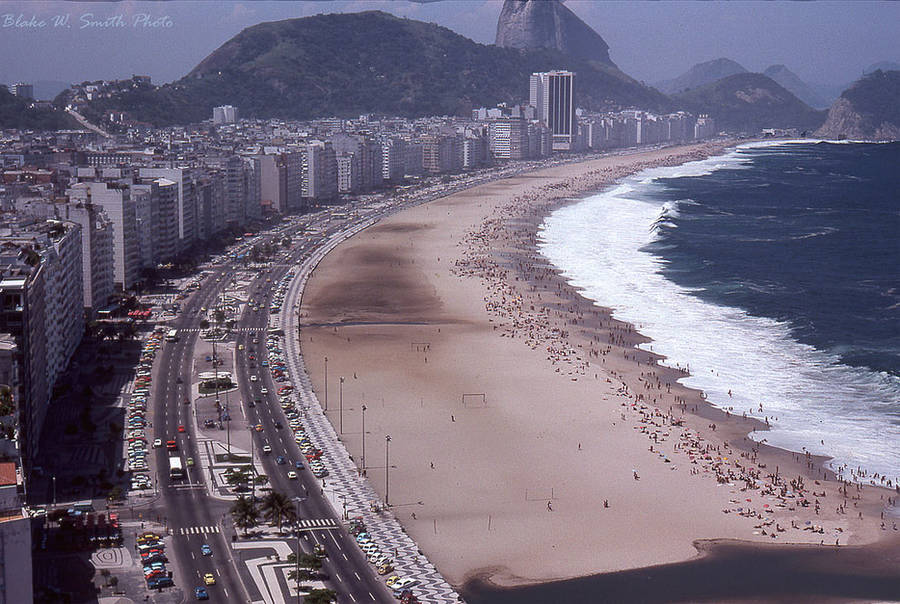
(198, 530)
(318, 523)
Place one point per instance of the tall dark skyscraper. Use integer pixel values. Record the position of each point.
(552, 94)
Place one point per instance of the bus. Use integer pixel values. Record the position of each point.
(176, 469)
(172, 335)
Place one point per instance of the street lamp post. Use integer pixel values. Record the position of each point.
(252, 479)
(341, 404)
(387, 470)
(363, 460)
(326, 383)
(297, 501)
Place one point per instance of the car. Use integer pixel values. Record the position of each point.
(241, 347)
(278, 425)
(160, 582)
(384, 569)
(171, 445)
(181, 428)
(206, 550)
(190, 462)
(145, 537)
(292, 475)
(404, 583)
(153, 565)
(264, 390)
(382, 559)
(258, 427)
(298, 464)
(253, 378)
(267, 449)
(280, 460)
(391, 580)
(209, 579)
(200, 593)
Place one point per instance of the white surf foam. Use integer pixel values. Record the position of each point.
(813, 402)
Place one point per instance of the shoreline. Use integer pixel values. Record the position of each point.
(497, 254)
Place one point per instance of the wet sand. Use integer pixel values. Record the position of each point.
(530, 439)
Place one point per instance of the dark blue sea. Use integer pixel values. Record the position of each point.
(772, 272)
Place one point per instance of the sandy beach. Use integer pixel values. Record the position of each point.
(530, 439)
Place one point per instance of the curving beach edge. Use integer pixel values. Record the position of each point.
(529, 439)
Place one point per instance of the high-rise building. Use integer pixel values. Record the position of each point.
(509, 138)
(185, 178)
(319, 169)
(272, 182)
(705, 127)
(115, 200)
(552, 94)
(23, 90)
(226, 114)
(41, 301)
(392, 160)
(96, 245)
(348, 172)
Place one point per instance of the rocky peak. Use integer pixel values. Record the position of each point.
(533, 24)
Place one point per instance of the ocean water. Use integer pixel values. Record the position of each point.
(772, 271)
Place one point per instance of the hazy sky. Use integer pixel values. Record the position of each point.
(829, 42)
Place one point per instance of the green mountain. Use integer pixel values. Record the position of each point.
(369, 62)
(749, 102)
(867, 110)
(16, 113)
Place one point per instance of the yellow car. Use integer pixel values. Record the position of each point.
(209, 579)
(391, 580)
(147, 537)
(384, 569)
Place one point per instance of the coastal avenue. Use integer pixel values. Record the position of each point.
(187, 504)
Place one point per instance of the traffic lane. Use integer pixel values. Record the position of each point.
(351, 563)
(188, 546)
(349, 571)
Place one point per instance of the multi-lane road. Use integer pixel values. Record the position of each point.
(185, 503)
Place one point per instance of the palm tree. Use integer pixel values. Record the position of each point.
(244, 514)
(320, 596)
(278, 508)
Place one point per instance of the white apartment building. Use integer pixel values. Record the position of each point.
(225, 114)
(188, 215)
(115, 200)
